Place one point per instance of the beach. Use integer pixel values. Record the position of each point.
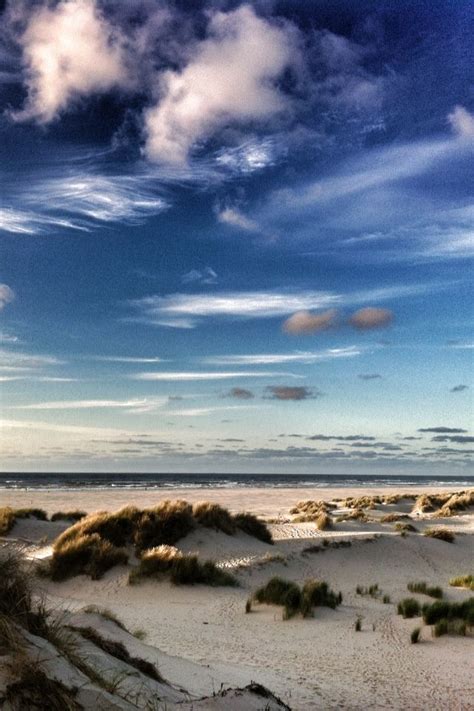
(203, 639)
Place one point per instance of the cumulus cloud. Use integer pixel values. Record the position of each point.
(230, 79)
(370, 318)
(241, 394)
(69, 51)
(306, 322)
(289, 392)
(462, 122)
(6, 295)
(459, 388)
(369, 376)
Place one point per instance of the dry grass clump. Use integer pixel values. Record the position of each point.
(213, 516)
(323, 522)
(105, 613)
(167, 561)
(441, 534)
(361, 502)
(296, 600)
(309, 510)
(88, 554)
(404, 527)
(409, 607)
(463, 581)
(425, 589)
(39, 514)
(7, 520)
(165, 523)
(415, 635)
(455, 503)
(253, 526)
(68, 515)
(356, 515)
(392, 517)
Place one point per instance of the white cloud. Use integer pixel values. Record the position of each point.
(273, 358)
(232, 216)
(190, 375)
(143, 404)
(15, 360)
(69, 51)
(201, 276)
(186, 310)
(228, 80)
(7, 295)
(8, 338)
(462, 122)
(125, 359)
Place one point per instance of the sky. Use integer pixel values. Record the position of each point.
(236, 237)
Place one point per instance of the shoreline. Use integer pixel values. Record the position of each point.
(262, 501)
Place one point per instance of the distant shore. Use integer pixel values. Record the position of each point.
(263, 501)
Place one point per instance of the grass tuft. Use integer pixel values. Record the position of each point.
(89, 554)
(425, 589)
(409, 607)
(68, 515)
(441, 534)
(415, 635)
(463, 581)
(253, 526)
(293, 599)
(181, 569)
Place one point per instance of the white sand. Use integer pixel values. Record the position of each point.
(205, 639)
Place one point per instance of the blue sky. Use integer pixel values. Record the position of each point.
(236, 237)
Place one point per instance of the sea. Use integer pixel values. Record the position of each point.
(148, 481)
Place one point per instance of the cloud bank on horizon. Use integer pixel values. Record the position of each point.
(269, 203)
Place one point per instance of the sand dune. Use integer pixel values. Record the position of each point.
(201, 638)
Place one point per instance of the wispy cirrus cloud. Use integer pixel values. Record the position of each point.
(217, 375)
(186, 310)
(136, 404)
(274, 358)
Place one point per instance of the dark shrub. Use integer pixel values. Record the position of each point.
(166, 561)
(87, 554)
(423, 588)
(214, 516)
(409, 607)
(441, 534)
(68, 515)
(164, 524)
(253, 526)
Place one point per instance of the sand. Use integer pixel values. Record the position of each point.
(204, 639)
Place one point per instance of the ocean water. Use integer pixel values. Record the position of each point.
(220, 481)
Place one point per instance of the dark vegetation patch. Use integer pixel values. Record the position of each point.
(74, 515)
(96, 543)
(425, 589)
(168, 562)
(296, 600)
(440, 534)
(409, 607)
(34, 691)
(119, 651)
